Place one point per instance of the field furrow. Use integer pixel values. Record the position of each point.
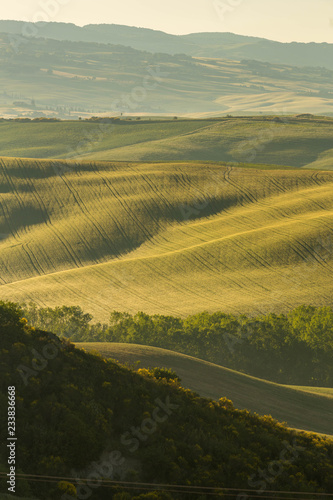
(117, 236)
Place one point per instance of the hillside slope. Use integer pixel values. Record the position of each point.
(299, 409)
(75, 79)
(293, 141)
(172, 238)
(228, 45)
(76, 412)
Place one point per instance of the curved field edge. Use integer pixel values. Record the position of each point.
(300, 410)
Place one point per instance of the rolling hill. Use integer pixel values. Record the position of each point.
(310, 411)
(148, 201)
(292, 141)
(297, 141)
(168, 238)
(44, 77)
(81, 418)
(218, 45)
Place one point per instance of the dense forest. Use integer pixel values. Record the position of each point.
(294, 348)
(78, 413)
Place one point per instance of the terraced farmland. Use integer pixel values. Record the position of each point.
(172, 238)
(311, 411)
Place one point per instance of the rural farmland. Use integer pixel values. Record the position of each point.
(166, 250)
(165, 238)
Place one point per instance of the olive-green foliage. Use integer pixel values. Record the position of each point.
(78, 405)
(294, 348)
(161, 373)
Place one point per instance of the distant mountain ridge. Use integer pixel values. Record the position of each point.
(216, 45)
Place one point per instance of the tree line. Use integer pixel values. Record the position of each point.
(293, 348)
(81, 416)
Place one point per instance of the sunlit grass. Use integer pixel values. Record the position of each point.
(174, 238)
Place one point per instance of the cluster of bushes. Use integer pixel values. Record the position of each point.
(38, 119)
(73, 408)
(294, 348)
(124, 120)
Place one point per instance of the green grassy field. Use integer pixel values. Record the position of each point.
(174, 238)
(310, 411)
(291, 143)
(74, 138)
(296, 142)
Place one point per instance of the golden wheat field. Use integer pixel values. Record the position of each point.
(169, 238)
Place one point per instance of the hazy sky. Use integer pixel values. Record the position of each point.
(284, 20)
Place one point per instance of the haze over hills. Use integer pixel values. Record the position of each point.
(47, 77)
(130, 191)
(216, 45)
